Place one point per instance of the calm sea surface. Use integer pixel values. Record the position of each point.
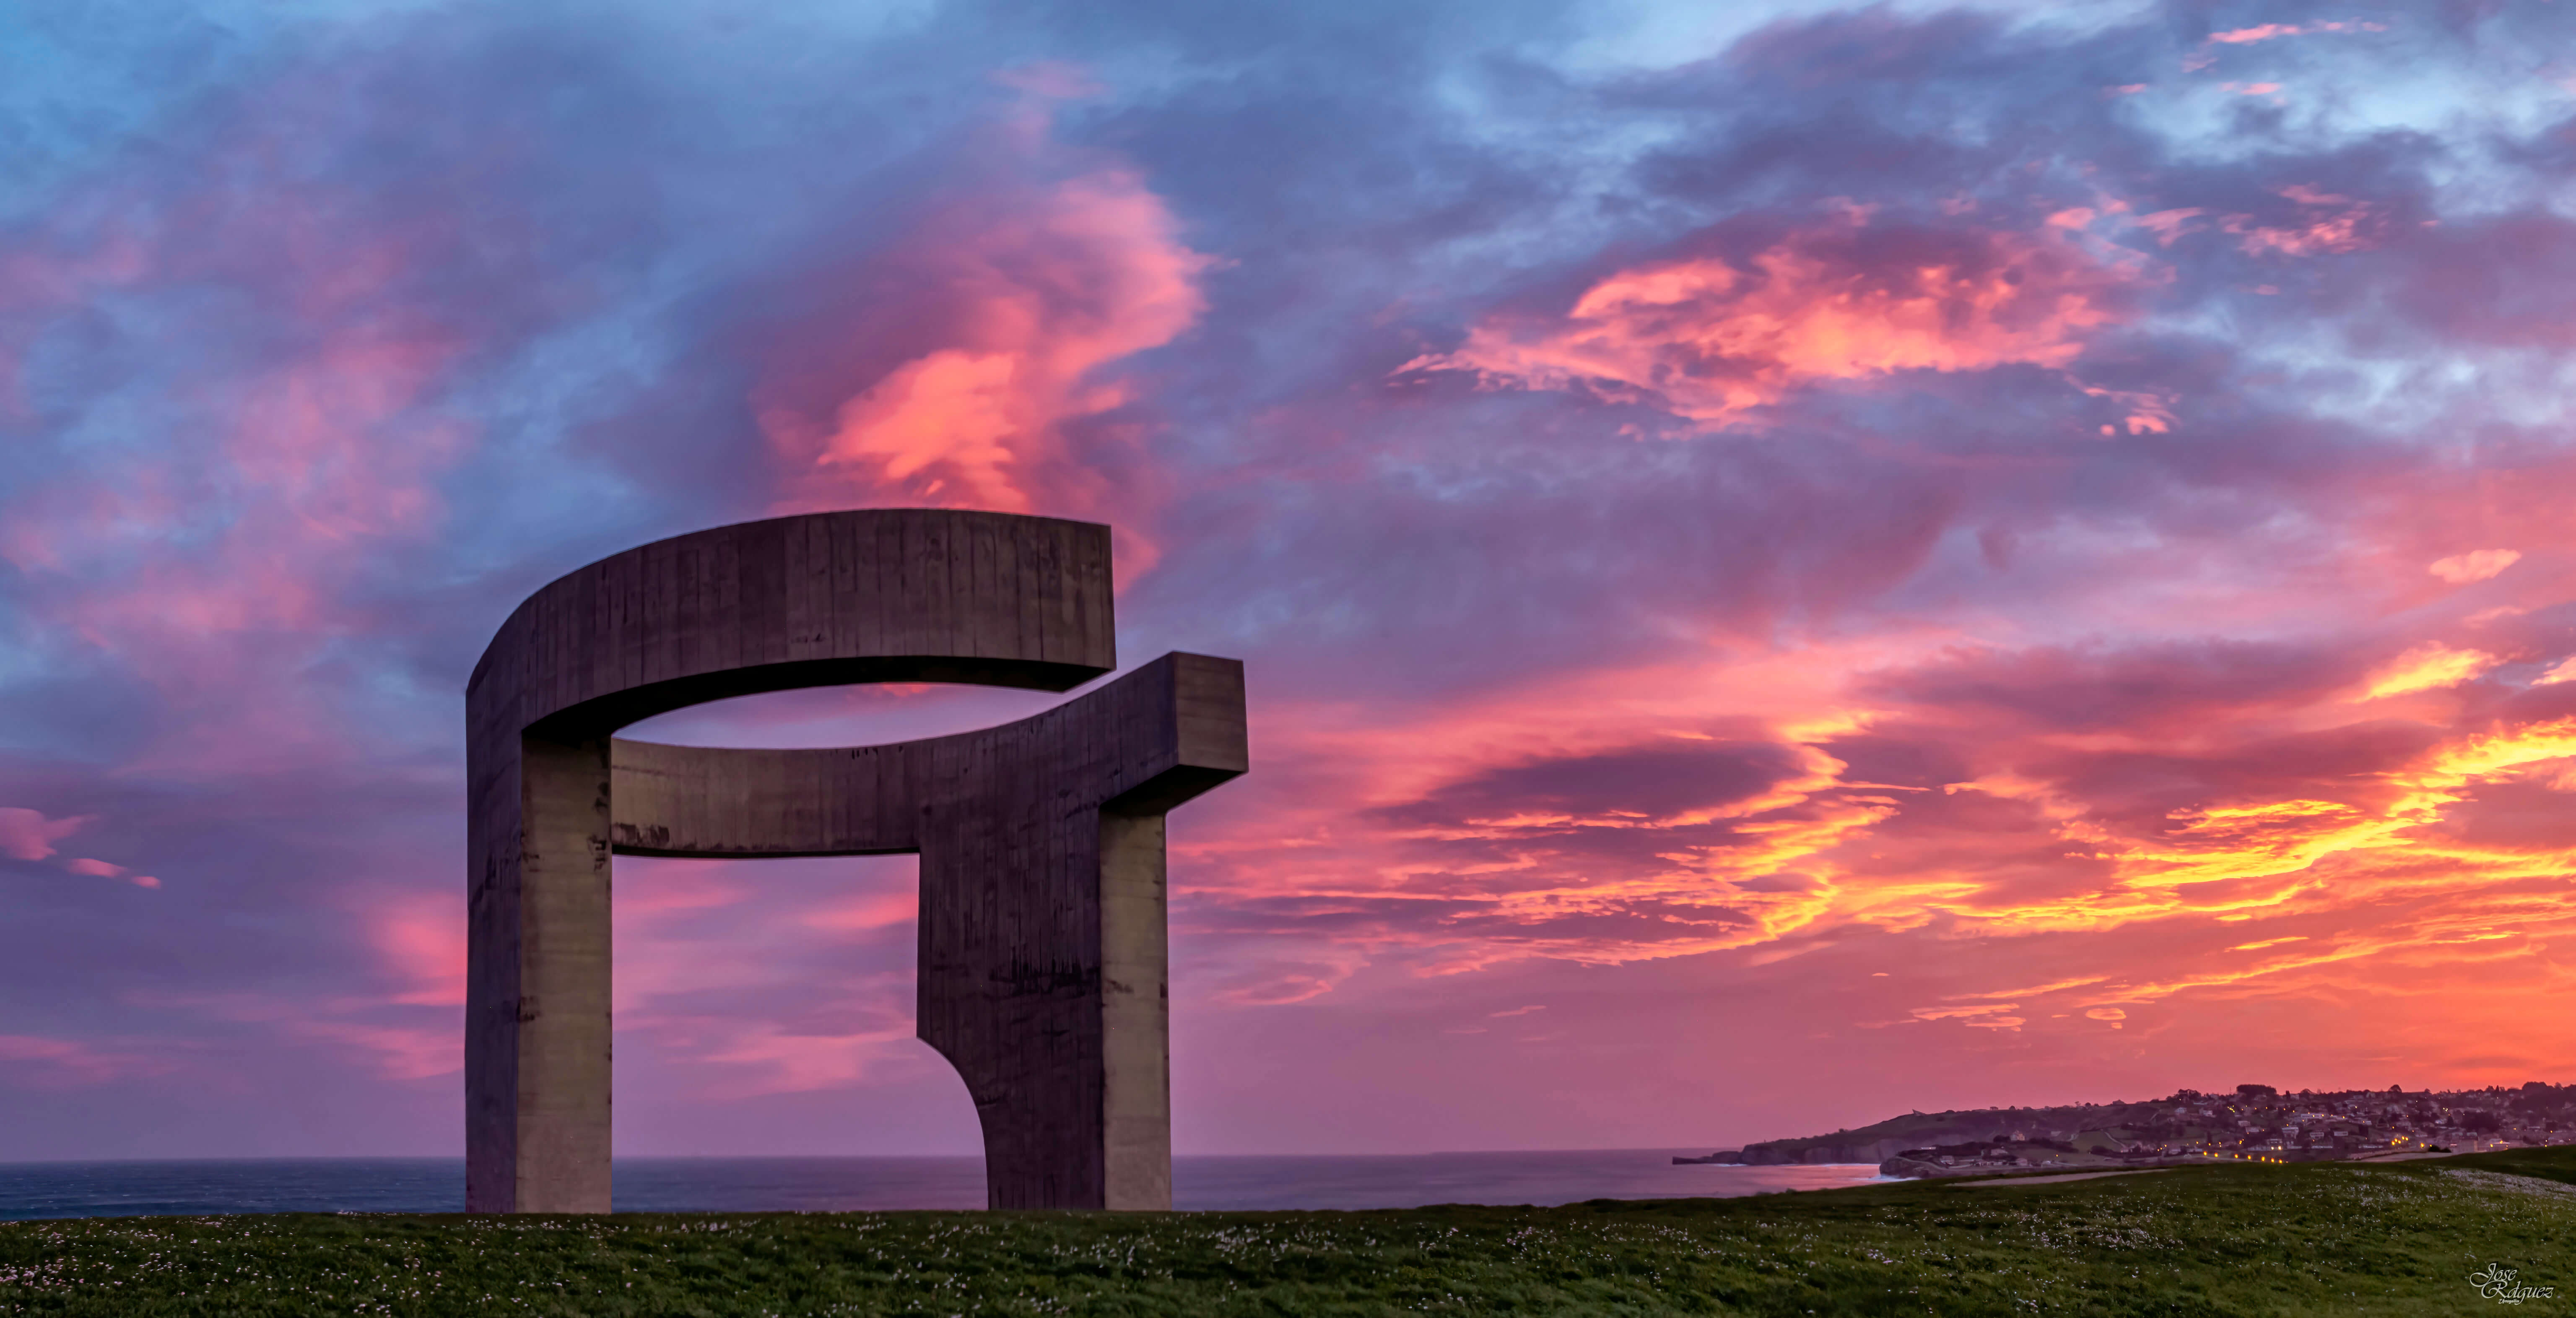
(437, 1185)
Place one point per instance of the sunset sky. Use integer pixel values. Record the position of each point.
(1794, 563)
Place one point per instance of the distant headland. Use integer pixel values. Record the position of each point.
(2253, 1122)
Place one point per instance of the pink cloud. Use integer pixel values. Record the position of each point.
(869, 911)
(397, 1042)
(2475, 565)
(977, 372)
(761, 1058)
(743, 974)
(2142, 412)
(2168, 225)
(37, 285)
(104, 870)
(1279, 983)
(302, 336)
(420, 938)
(66, 1063)
(1711, 339)
(2246, 36)
(397, 1052)
(27, 835)
(2327, 224)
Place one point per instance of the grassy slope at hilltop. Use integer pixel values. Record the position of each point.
(2317, 1238)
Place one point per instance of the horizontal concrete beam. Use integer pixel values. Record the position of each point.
(1143, 744)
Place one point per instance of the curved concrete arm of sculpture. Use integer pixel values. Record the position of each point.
(827, 599)
(1042, 931)
(1139, 746)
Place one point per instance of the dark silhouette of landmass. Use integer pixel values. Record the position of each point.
(2252, 1122)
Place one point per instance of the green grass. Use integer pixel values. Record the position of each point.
(2318, 1238)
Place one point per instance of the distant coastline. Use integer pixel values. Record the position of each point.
(2253, 1123)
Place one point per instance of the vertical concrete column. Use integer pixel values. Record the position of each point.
(1009, 987)
(537, 1009)
(492, 963)
(1136, 1013)
(563, 1025)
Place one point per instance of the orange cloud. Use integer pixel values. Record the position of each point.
(1710, 339)
(2427, 667)
(2368, 880)
(2476, 565)
(1018, 301)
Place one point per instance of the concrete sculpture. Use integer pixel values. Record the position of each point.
(1042, 955)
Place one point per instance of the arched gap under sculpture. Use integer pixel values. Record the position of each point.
(764, 1009)
(767, 1008)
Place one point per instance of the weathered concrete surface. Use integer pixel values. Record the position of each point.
(1042, 931)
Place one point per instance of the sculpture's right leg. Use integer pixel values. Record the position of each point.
(537, 1017)
(1044, 981)
(1009, 983)
(1136, 1015)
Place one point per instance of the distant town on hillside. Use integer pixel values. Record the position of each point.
(2252, 1122)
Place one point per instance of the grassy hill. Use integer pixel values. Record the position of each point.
(1915, 1130)
(2301, 1239)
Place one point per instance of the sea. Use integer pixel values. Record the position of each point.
(733, 1185)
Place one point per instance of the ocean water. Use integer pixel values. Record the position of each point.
(437, 1185)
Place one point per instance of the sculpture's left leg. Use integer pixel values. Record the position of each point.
(537, 1011)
